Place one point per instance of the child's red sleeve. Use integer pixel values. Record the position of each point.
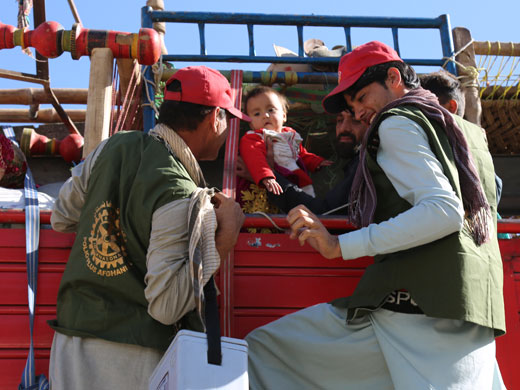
(252, 151)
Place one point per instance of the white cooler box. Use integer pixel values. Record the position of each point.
(185, 365)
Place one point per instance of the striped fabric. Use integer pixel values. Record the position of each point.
(32, 238)
(203, 255)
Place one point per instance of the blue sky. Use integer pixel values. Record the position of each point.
(487, 20)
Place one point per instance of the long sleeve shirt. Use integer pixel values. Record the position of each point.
(168, 281)
(406, 158)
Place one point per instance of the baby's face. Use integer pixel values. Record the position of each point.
(266, 112)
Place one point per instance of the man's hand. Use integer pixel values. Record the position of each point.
(272, 185)
(306, 227)
(230, 219)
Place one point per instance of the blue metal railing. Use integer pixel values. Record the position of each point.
(149, 16)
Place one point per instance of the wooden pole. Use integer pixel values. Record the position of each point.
(99, 101)
(48, 115)
(461, 38)
(497, 48)
(28, 96)
(125, 68)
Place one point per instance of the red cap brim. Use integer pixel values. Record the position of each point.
(239, 114)
(334, 102)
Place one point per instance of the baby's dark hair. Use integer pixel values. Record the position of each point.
(261, 89)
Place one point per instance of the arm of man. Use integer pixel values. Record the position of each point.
(336, 197)
(169, 290)
(168, 282)
(292, 196)
(405, 156)
(68, 205)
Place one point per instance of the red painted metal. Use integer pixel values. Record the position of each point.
(260, 221)
(50, 40)
(271, 276)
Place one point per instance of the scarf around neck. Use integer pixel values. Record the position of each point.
(363, 194)
(178, 148)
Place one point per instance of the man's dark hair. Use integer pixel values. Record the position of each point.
(379, 73)
(446, 87)
(261, 89)
(183, 115)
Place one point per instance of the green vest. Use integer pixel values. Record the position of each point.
(448, 278)
(102, 289)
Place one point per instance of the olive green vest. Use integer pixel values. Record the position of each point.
(102, 289)
(448, 278)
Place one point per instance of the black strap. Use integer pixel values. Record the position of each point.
(212, 323)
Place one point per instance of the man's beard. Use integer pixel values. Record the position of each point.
(346, 150)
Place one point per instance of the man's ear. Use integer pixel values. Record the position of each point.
(213, 119)
(452, 106)
(393, 77)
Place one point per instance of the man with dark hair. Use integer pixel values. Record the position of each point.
(349, 134)
(425, 314)
(449, 92)
(145, 223)
(447, 89)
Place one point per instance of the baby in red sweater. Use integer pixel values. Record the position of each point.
(267, 109)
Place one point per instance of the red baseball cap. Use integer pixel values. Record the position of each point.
(205, 86)
(352, 66)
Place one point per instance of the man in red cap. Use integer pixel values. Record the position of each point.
(425, 314)
(137, 205)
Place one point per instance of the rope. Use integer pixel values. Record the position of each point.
(150, 102)
(115, 80)
(130, 96)
(470, 72)
(269, 218)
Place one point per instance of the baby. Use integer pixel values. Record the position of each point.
(267, 109)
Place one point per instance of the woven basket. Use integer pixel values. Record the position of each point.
(501, 119)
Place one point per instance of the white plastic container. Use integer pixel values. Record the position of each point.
(184, 365)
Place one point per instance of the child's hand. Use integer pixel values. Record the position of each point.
(325, 163)
(272, 185)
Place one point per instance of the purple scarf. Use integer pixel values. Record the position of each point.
(363, 195)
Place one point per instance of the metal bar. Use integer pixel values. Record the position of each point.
(293, 20)
(202, 38)
(42, 63)
(18, 216)
(395, 37)
(348, 38)
(299, 29)
(264, 77)
(148, 86)
(447, 43)
(250, 34)
(280, 60)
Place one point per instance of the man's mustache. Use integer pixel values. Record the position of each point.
(350, 136)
